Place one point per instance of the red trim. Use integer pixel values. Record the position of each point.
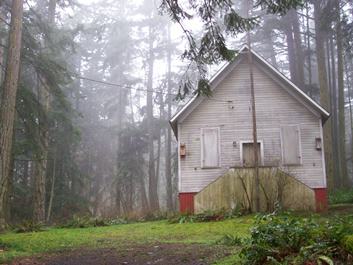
(186, 202)
(321, 199)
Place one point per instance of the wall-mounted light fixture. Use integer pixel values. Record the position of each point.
(182, 150)
(234, 144)
(318, 143)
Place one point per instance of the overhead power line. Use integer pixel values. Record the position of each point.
(127, 87)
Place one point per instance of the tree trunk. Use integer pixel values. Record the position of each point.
(140, 180)
(143, 195)
(159, 141)
(324, 92)
(309, 50)
(152, 187)
(118, 198)
(331, 74)
(130, 195)
(52, 189)
(118, 185)
(168, 140)
(3, 16)
(45, 99)
(299, 57)
(350, 116)
(341, 115)
(39, 189)
(8, 102)
(294, 47)
(9, 189)
(290, 48)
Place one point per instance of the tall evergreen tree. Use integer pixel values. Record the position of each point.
(324, 92)
(8, 102)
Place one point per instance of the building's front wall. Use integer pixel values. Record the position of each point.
(274, 108)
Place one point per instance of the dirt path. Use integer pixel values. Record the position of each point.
(166, 254)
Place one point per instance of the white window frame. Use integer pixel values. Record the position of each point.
(300, 145)
(261, 142)
(219, 147)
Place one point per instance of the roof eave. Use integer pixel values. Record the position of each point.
(174, 126)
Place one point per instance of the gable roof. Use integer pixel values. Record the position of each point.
(229, 67)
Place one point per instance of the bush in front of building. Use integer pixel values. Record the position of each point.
(288, 239)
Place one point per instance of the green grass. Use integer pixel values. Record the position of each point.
(56, 239)
(53, 240)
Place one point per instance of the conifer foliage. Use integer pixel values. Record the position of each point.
(220, 21)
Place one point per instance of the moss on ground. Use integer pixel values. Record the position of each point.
(58, 239)
(348, 243)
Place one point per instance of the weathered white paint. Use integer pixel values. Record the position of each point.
(323, 152)
(276, 106)
(179, 162)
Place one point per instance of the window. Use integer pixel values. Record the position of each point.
(210, 153)
(291, 149)
(247, 154)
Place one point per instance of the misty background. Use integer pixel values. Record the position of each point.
(97, 141)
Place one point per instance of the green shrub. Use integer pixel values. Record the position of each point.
(28, 226)
(181, 218)
(4, 246)
(341, 196)
(118, 221)
(154, 216)
(348, 243)
(288, 239)
(207, 216)
(84, 222)
(230, 240)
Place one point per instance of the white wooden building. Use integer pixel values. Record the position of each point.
(215, 134)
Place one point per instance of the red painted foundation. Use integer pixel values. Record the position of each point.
(186, 202)
(321, 199)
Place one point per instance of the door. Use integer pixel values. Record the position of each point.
(248, 154)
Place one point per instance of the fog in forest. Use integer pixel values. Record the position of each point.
(100, 80)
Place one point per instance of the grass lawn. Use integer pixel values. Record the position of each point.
(162, 240)
(55, 239)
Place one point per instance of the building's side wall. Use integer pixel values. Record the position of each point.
(274, 108)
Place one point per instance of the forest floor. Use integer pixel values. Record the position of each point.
(156, 242)
(165, 253)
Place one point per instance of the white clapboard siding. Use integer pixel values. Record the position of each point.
(275, 108)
